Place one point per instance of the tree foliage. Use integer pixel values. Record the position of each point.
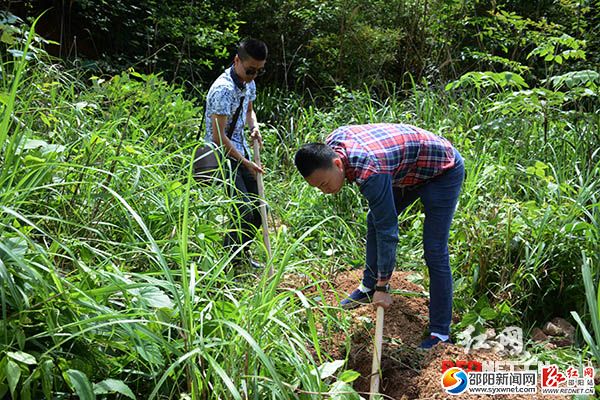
(316, 44)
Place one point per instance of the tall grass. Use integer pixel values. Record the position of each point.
(114, 279)
(592, 296)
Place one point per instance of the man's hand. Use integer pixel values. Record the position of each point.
(255, 135)
(382, 299)
(253, 167)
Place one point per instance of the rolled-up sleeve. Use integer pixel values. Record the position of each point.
(377, 189)
(219, 101)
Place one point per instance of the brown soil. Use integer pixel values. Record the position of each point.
(407, 373)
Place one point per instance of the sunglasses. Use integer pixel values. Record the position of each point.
(257, 72)
(253, 71)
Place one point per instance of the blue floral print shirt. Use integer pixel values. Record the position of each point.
(223, 99)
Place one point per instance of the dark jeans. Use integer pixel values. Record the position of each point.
(439, 197)
(245, 214)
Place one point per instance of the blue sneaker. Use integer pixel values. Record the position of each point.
(432, 341)
(356, 299)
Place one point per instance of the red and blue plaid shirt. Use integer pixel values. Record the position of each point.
(409, 154)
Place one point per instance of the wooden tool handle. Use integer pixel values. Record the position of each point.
(263, 205)
(375, 370)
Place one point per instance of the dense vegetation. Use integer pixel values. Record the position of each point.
(316, 44)
(113, 278)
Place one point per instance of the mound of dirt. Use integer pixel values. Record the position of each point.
(407, 373)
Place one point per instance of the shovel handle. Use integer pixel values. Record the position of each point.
(376, 368)
(263, 205)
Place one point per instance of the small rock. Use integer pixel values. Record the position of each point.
(566, 327)
(537, 335)
(550, 346)
(562, 341)
(490, 333)
(552, 330)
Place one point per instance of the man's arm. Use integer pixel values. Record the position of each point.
(219, 136)
(378, 192)
(253, 124)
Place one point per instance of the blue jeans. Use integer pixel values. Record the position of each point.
(439, 197)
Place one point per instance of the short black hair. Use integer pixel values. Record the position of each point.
(252, 48)
(313, 156)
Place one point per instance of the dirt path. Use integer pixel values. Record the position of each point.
(407, 372)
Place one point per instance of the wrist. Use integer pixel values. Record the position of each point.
(382, 288)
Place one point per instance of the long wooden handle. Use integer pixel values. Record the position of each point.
(263, 205)
(375, 370)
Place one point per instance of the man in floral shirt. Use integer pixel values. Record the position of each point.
(394, 165)
(236, 88)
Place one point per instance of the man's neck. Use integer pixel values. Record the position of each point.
(236, 79)
(348, 173)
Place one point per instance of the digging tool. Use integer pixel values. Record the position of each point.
(263, 205)
(377, 354)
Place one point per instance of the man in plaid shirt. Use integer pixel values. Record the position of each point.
(394, 165)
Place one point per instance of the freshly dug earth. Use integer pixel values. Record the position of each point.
(407, 373)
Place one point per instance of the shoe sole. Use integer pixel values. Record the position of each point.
(355, 304)
(443, 342)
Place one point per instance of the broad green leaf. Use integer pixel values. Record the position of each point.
(113, 386)
(340, 390)
(328, 369)
(84, 104)
(13, 374)
(349, 376)
(469, 318)
(226, 309)
(150, 352)
(34, 144)
(7, 37)
(23, 357)
(576, 227)
(79, 382)
(53, 148)
(488, 313)
(152, 297)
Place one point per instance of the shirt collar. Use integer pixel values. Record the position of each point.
(236, 79)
